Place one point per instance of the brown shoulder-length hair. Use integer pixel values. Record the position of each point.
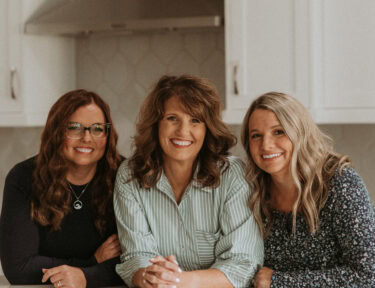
(51, 197)
(200, 99)
(313, 162)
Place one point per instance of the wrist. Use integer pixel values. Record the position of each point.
(189, 279)
(138, 277)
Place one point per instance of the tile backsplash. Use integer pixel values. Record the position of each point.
(123, 68)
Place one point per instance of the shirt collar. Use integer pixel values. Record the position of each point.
(164, 186)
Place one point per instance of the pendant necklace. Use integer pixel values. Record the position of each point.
(77, 204)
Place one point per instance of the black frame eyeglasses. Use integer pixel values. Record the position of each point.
(75, 130)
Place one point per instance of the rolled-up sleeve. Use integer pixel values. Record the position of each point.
(239, 252)
(137, 242)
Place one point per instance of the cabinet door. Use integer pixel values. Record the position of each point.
(10, 101)
(266, 50)
(35, 69)
(344, 45)
(48, 68)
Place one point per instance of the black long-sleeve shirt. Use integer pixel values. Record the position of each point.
(26, 247)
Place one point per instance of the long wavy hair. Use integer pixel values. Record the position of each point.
(51, 197)
(313, 162)
(200, 99)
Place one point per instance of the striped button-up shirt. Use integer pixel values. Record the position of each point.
(209, 228)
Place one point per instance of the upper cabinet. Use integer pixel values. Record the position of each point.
(10, 100)
(318, 51)
(35, 70)
(343, 62)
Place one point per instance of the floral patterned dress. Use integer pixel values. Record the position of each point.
(340, 254)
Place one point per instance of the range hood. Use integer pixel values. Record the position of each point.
(77, 17)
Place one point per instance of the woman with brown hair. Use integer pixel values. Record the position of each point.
(312, 207)
(181, 200)
(57, 220)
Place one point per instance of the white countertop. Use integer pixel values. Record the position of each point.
(4, 283)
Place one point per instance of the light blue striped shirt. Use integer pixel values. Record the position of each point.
(209, 228)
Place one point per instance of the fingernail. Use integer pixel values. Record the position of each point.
(143, 274)
(178, 280)
(179, 270)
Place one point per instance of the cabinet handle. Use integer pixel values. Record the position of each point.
(13, 73)
(235, 81)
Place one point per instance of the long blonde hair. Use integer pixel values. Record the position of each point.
(313, 162)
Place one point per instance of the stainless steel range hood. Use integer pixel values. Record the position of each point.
(77, 17)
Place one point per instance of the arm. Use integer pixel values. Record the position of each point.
(137, 242)
(239, 252)
(353, 221)
(101, 275)
(210, 278)
(165, 271)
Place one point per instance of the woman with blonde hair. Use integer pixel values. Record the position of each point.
(181, 200)
(312, 208)
(57, 222)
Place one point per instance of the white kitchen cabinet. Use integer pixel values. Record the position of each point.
(343, 70)
(35, 69)
(318, 51)
(10, 102)
(266, 50)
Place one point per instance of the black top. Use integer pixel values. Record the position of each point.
(26, 247)
(341, 254)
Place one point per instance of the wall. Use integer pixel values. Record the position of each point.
(122, 70)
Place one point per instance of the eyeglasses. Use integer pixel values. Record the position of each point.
(76, 130)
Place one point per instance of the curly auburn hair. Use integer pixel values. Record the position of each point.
(51, 197)
(200, 99)
(313, 162)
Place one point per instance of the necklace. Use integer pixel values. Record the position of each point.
(77, 204)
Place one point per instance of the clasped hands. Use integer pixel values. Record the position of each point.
(163, 273)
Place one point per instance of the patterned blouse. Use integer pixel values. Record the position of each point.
(341, 254)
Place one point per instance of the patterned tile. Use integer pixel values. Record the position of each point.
(200, 45)
(166, 46)
(102, 48)
(149, 70)
(183, 63)
(134, 47)
(119, 73)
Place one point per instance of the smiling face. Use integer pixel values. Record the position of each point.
(181, 136)
(270, 147)
(87, 151)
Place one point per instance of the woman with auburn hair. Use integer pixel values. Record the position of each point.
(57, 221)
(312, 208)
(180, 200)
